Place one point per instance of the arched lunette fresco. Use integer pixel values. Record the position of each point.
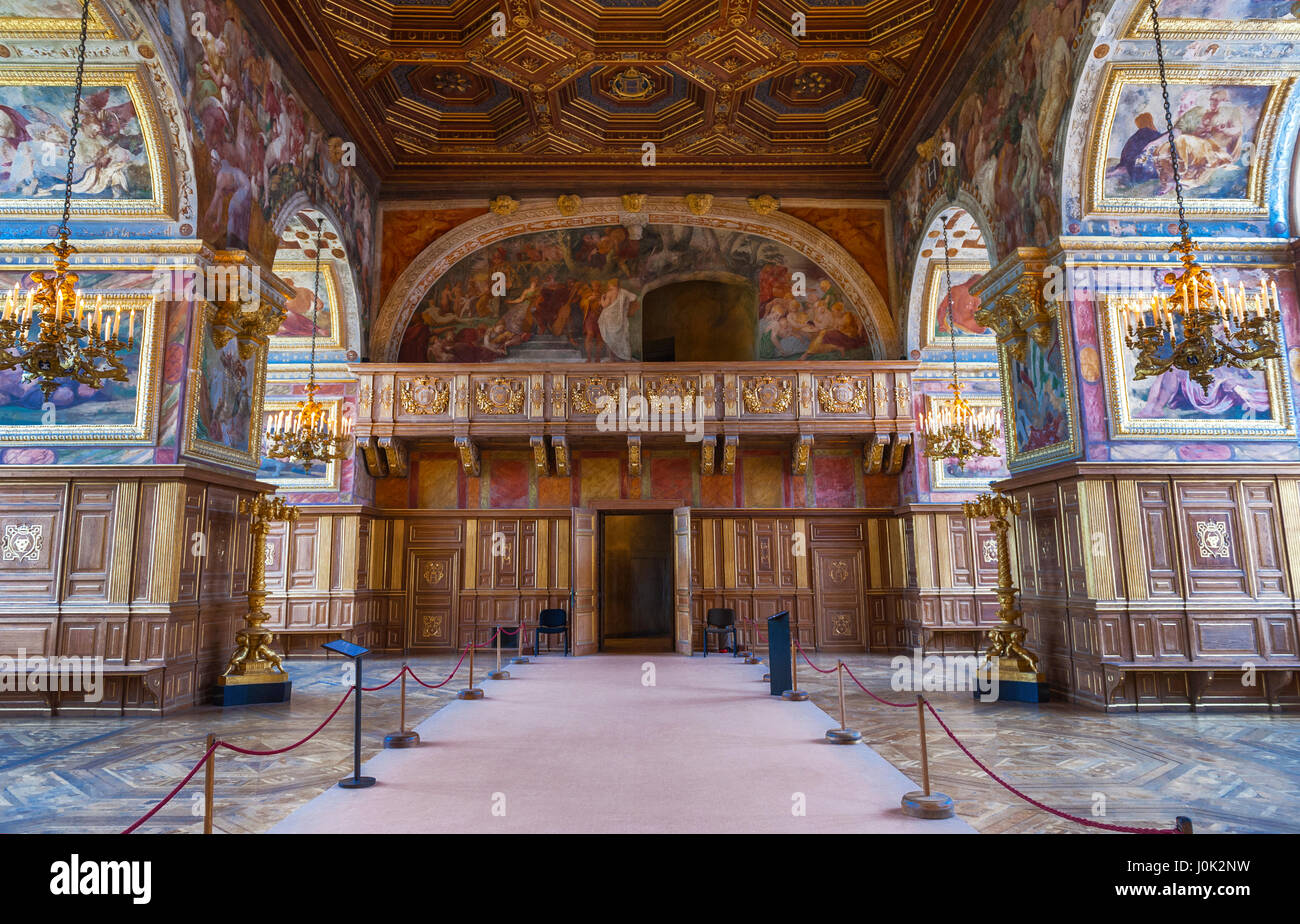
(860, 294)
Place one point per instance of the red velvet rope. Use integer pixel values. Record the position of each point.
(883, 702)
(179, 786)
(1123, 829)
(300, 743)
(396, 677)
(809, 660)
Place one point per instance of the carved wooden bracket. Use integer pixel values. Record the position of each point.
(802, 451)
(730, 445)
(540, 460)
(376, 460)
(396, 458)
(560, 448)
(708, 449)
(897, 453)
(468, 450)
(873, 454)
(634, 455)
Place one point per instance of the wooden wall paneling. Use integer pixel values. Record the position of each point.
(193, 521)
(744, 552)
(1158, 537)
(144, 549)
(33, 572)
(764, 530)
(433, 594)
(1214, 554)
(528, 554)
(300, 572)
(962, 572)
(91, 536)
(1075, 542)
(1259, 505)
(1044, 518)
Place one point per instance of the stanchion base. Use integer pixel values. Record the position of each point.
(843, 736)
(935, 805)
(402, 740)
(522, 659)
(357, 782)
(499, 675)
(753, 659)
(767, 678)
(794, 696)
(471, 693)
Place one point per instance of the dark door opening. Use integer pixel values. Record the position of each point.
(636, 582)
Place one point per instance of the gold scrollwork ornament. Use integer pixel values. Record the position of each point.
(500, 396)
(424, 395)
(765, 395)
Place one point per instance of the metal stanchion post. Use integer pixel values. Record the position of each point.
(499, 674)
(520, 657)
(794, 694)
(750, 656)
(209, 781)
(471, 692)
(926, 804)
(1183, 824)
(843, 734)
(402, 738)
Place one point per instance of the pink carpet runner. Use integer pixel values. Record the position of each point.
(580, 745)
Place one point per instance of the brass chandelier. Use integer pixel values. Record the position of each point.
(309, 433)
(1200, 327)
(68, 340)
(956, 430)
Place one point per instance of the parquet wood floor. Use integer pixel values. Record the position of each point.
(1228, 772)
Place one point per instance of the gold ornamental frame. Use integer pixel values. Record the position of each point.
(205, 449)
(939, 480)
(162, 205)
(934, 284)
(143, 429)
(326, 477)
(329, 277)
(1120, 76)
(1175, 28)
(1017, 460)
(100, 26)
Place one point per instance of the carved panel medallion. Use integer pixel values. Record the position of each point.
(500, 396)
(22, 542)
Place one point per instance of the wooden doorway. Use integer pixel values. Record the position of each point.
(636, 581)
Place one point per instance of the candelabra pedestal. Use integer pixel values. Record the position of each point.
(255, 673)
(1010, 671)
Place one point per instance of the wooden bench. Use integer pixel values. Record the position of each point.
(151, 675)
(1199, 672)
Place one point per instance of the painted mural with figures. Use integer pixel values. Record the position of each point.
(1217, 128)
(112, 161)
(255, 144)
(580, 290)
(1040, 402)
(1004, 127)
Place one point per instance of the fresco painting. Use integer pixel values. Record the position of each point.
(255, 144)
(112, 161)
(226, 391)
(1216, 129)
(964, 305)
(302, 309)
(1040, 397)
(1004, 126)
(1229, 9)
(579, 291)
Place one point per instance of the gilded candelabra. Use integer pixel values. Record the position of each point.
(253, 661)
(1007, 652)
(956, 430)
(1197, 328)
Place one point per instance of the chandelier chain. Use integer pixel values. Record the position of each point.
(64, 229)
(947, 270)
(1183, 228)
(315, 303)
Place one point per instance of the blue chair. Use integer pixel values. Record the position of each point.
(551, 622)
(720, 621)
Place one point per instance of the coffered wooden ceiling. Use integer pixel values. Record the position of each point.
(566, 99)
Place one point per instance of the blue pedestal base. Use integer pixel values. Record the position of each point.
(1019, 691)
(251, 694)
